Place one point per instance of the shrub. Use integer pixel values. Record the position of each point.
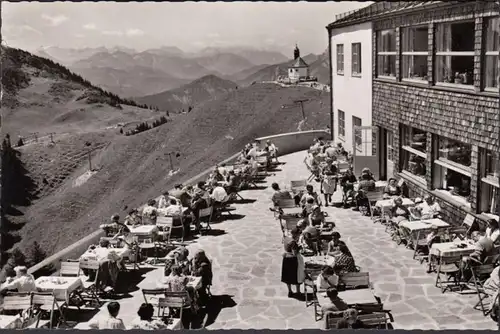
(20, 142)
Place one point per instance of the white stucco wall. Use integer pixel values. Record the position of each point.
(296, 73)
(352, 94)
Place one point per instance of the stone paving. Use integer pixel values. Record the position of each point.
(247, 267)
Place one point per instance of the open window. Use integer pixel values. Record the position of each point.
(415, 46)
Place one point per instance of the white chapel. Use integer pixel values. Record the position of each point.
(299, 68)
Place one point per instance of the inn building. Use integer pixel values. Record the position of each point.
(434, 97)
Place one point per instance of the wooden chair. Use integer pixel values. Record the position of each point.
(357, 280)
(152, 296)
(147, 244)
(90, 292)
(479, 276)
(450, 266)
(419, 243)
(18, 303)
(175, 301)
(343, 166)
(332, 319)
(374, 320)
(166, 224)
(455, 232)
(43, 303)
(71, 268)
(469, 223)
(373, 197)
(224, 206)
(288, 224)
(310, 281)
(206, 214)
(298, 186)
(286, 204)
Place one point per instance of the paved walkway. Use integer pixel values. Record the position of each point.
(247, 266)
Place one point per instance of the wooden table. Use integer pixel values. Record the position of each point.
(320, 260)
(447, 249)
(421, 225)
(194, 282)
(102, 255)
(10, 322)
(62, 287)
(144, 230)
(351, 297)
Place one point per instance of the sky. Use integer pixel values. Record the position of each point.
(188, 25)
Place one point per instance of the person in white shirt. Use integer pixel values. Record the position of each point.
(327, 279)
(223, 170)
(165, 200)
(429, 208)
(110, 321)
(150, 209)
(492, 231)
(174, 209)
(218, 194)
(23, 282)
(273, 151)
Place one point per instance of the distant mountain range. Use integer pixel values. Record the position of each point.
(130, 73)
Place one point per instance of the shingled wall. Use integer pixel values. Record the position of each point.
(467, 116)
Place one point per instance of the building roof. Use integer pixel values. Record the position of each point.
(379, 9)
(299, 62)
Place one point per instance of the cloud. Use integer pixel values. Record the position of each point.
(55, 20)
(90, 26)
(112, 33)
(79, 35)
(134, 32)
(213, 35)
(15, 30)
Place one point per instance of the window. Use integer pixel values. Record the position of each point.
(491, 54)
(341, 123)
(414, 52)
(358, 140)
(386, 53)
(414, 151)
(489, 182)
(455, 53)
(390, 146)
(340, 58)
(452, 169)
(356, 58)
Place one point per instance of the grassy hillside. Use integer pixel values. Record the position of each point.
(207, 88)
(133, 169)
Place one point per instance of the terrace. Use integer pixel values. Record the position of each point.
(247, 255)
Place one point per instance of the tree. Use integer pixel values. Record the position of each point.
(35, 254)
(190, 108)
(20, 142)
(121, 130)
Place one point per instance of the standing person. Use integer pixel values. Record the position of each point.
(292, 268)
(110, 321)
(273, 151)
(329, 180)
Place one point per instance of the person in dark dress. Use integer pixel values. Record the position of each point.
(350, 320)
(347, 182)
(290, 265)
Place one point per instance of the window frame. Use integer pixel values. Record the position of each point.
(340, 62)
(356, 63)
(391, 150)
(341, 121)
(451, 54)
(490, 184)
(486, 53)
(407, 151)
(358, 147)
(386, 53)
(413, 53)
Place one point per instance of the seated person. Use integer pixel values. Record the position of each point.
(492, 285)
(327, 279)
(428, 209)
(146, 321)
(127, 239)
(399, 212)
(483, 248)
(279, 194)
(344, 261)
(492, 231)
(392, 189)
(165, 200)
(369, 175)
(202, 267)
(366, 184)
(317, 217)
(149, 212)
(110, 321)
(218, 195)
(308, 207)
(197, 204)
(181, 193)
(350, 320)
(309, 235)
(340, 151)
(310, 193)
(347, 183)
(336, 304)
(178, 257)
(233, 182)
(174, 209)
(23, 282)
(334, 245)
(176, 281)
(133, 219)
